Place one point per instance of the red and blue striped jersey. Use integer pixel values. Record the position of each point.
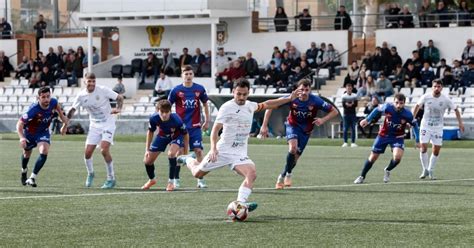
(302, 113)
(395, 121)
(188, 103)
(171, 128)
(37, 119)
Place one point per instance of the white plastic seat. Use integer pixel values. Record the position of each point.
(417, 92)
(3, 99)
(259, 91)
(144, 99)
(18, 92)
(23, 99)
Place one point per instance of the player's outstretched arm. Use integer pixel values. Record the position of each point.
(71, 112)
(19, 129)
(458, 117)
(266, 119)
(416, 109)
(275, 103)
(214, 137)
(320, 121)
(63, 118)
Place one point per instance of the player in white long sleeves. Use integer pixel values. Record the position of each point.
(235, 120)
(431, 129)
(96, 100)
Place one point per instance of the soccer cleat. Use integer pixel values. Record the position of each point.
(24, 177)
(354, 145)
(170, 186)
(359, 180)
(201, 183)
(424, 174)
(251, 206)
(345, 145)
(431, 175)
(287, 181)
(279, 184)
(148, 184)
(108, 184)
(386, 176)
(89, 179)
(176, 183)
(181, 160)
(31, 182)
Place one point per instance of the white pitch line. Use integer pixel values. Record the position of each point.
(192, 190)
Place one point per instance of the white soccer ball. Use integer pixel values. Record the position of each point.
(237, 211)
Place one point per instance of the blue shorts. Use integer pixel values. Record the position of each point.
(159, 143)
(381, 143)
(195, 138)
(297, 133)
(32, 140)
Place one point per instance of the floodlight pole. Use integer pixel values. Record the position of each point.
(213, 50)
(89, 49)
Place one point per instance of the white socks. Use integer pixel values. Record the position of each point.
(89, 165)
(244, 194)
(433, 160)
(424, 160)
(110, 170)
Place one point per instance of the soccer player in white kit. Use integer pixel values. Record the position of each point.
(235, 119)
(431, 128)
(96, 100)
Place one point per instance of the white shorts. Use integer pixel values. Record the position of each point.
(434, 137)
(101, 133)
(224, 159)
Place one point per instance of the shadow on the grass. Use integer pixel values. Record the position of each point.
(268, 218)
(357, 191)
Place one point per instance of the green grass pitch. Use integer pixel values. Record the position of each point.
(323, 209)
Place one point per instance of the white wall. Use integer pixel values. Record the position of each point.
(134, 41)
(68, 43)
(10, 47)
(450, 41)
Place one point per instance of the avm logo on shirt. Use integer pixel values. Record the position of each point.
(189, 103)
(303, 114)
(394, 125)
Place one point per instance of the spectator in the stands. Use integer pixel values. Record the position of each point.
(277, 60)
(385, 51)
(378, 64)
(305, 20)
(457, 72)
(311, 54)
(47, 78)
(305, 69)
(250, 65)
(297, 76)
(443, 14)
(415, 60)
(303, 57)
(80, 54)
(394, 60)
(465, 14)
(293, 53)
(372, 88)
(384, 86)
(197, 61)
(40, 28)
(52, 58)
(468, 52)
(331, 60)
(398, 78)
(168, 65)
(320, 56)
(286, 59)
(35, 77)
(392, 18)
(361, 85)
(5, 66)
(281, 20)
(60, 72)
(95, 58)
(23, 69)
(73, 69)
(431, 54)
(163, 87)
(367, 60)
(60, 52)
(285, 75)
(352, 74)
(150, 67)
(119, 88)
(227, 78)
(275, 50)
(467, 79)
(222, 61)
(343, 20)
(427, 75)
(420, 48)
(425, 16)
(406, 18)
(6, 29)
(270, 77)
(373, 104)
(412, 76)
(39, 55)
(184, 59)
(442, 68)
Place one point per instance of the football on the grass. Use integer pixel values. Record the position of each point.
(237, 211)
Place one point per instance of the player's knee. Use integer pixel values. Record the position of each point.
(104, 151)
(252, 176)
(397, 160)
(172, 154)
(198, 174)
(293, 150)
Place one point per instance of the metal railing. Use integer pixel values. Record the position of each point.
(327, 22)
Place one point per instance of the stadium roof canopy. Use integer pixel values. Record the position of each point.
(139, 13)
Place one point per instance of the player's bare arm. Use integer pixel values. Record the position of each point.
(70, 114)
(149, 138)
(275, 103)
(214, 137)
(416, 110)
(119, 105)
(320, 121)
(205, 125)
(19, 129)
(186, 143)
(266, 119)
(63, 118)
(458, 117)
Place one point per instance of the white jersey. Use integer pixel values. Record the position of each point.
(96, 103)
(237, 122)
(434, 108)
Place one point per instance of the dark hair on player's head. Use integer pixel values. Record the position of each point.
(186, 68)
(242, 83)
(438, 81)
(90, 75)
(44, 89)
(400, 97)
(305, 82)
(164, 106)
